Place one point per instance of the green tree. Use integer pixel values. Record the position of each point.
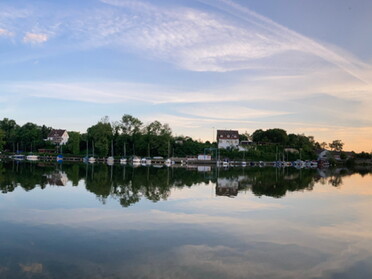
(130, 125)
(336, 145)
(2, 141)
(30, 137)
(73, 144)
(323, 145)
(101, 134)
(278, 136)
(10, 129)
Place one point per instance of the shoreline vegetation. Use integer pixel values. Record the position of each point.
(128, 185)
(131, 137)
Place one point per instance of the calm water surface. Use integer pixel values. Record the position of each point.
(96, 221)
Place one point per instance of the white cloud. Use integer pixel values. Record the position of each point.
(226, 111)
(201, 41)
(35, 38)
(233, 39)
(6, 33)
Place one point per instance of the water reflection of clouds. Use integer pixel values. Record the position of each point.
(315, 234)
(190, 251)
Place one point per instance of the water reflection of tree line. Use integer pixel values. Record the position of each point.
(128, 185)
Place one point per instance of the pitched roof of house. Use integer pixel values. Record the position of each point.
(56, 133)
(227, 134)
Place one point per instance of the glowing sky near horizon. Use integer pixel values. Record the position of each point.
(198, 65)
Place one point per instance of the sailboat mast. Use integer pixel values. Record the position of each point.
(168, 148)
(112, 148)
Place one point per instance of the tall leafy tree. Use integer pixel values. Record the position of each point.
(73, 144)
(10, 128)
(130, 125)
(336, 145)
(101, 135)
(2, 140)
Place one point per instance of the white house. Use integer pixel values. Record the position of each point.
(323, 154)
(59, 137)
(227, 139)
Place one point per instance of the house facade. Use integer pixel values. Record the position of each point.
(227, 139)
(59, 137)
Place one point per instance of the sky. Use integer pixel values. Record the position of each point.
(198, 65)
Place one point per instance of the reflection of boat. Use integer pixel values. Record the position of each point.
(18, 157)
(136, 160)
(299, 164)
(32, 157)
(146, 161)
(110, 160)
(168, 162)
(204, 168)
(123, 160)
(91, 160)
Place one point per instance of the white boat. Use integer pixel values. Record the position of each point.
(110, 160)
(299, 164)
(91, 160)
(18, 157)
(123, 161)
(32, 157)
(136, 160)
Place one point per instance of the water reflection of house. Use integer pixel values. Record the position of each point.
(227, 187)
(57, 178)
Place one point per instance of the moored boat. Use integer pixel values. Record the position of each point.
(18, 157)
(32, 157)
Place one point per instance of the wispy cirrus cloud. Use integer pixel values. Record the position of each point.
(200, 41)
(6, 33)
(230, 37)
(35, 38)
(294, 40)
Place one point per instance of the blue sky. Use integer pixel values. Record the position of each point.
(305, 66)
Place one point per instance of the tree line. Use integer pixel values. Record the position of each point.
(130, 136)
